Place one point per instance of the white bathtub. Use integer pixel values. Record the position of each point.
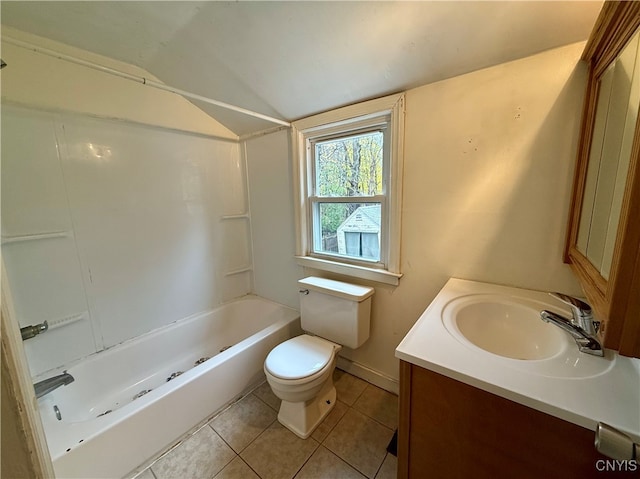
(88, 443)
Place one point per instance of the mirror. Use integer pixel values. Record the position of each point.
(603, 240)
(615, 119)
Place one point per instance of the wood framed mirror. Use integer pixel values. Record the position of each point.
(603, 239)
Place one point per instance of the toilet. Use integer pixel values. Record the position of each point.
(300, 371)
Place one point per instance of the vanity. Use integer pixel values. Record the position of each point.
(487, 389)
(490, 390)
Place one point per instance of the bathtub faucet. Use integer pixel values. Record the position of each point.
(32, 331)
(47, 385)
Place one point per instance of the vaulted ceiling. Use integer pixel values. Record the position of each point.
(293, 59)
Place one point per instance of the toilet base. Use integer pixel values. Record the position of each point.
(302, 418)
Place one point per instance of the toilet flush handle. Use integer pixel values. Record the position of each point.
(304, 291)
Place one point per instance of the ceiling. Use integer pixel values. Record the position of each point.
(293, 59)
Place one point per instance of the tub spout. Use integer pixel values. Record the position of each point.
(47, 385)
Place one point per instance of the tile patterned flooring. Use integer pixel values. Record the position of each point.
(246, 441)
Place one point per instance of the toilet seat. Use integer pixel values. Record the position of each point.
(302, 357)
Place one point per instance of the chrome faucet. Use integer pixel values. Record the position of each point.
(581, 327)
(47, 385)
(582, 315)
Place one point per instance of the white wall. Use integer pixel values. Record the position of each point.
(487, 175)
(140, 208)
(271, 202)
(48, 83)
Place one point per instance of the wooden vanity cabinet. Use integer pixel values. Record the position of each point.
(449, 429)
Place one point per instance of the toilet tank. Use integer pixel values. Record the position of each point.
(337, 311)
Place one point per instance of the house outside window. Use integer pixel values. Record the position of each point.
(348, 171)
(358, 236)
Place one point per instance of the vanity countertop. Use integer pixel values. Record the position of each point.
(570, 385)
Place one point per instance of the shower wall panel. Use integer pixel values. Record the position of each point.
(139, 218)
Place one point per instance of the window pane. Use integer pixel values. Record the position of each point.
(348, 229)
(370, 245)
(352, 243)
(349, 166)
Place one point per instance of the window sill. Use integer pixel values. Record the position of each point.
(362, 272)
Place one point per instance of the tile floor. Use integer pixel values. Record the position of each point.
(246, 441)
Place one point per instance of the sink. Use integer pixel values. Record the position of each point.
(509, 328)
(504, 326)
(491, 337)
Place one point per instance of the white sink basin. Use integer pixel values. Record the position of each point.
(509, 328)
(503, 326)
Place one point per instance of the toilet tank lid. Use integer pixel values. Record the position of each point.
(349, 291)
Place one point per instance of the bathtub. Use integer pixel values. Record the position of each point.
(131, 402)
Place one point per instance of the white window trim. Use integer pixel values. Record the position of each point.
(346, 118)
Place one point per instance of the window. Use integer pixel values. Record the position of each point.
(349, 168)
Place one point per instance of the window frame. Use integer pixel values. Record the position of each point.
(383, 114)
(315, 200)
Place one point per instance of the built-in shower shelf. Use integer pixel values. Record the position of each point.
(35, 237)
(238, 271)
(235, 217)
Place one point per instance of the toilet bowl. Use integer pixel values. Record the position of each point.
(300, 373)
(300, 370)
